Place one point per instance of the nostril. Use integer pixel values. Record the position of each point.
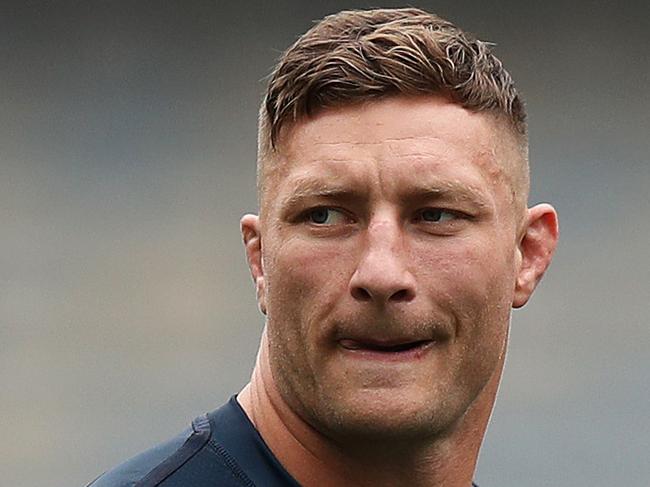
(401, 295)
(361, 294)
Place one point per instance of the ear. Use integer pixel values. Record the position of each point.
(536, 246)
(252, 236)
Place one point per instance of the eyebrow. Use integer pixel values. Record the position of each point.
(446, 190)
(431, 191)
(320, 189)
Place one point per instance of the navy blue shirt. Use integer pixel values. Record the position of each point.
(222, 448)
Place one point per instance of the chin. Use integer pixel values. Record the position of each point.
(385, 415)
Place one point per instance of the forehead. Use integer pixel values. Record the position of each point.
(401, 138)
(389, 119)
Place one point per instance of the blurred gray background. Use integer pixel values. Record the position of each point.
(127, 156)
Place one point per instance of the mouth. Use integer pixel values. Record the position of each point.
(375, 346)
(386, 350)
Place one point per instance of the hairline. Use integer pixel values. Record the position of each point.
(518, 172)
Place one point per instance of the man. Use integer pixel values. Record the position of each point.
(393, 239)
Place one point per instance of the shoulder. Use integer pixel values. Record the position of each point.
(221, 448)
(182, 456)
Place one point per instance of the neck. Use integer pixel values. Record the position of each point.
(314, 459)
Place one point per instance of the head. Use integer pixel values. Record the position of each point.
(393, 237)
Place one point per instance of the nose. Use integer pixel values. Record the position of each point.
(382, 275)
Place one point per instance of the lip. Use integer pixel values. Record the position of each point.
(386, 350)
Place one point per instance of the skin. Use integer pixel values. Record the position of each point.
(387, 259)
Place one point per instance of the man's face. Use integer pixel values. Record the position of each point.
(390, 256)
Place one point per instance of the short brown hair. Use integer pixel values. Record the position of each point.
(358, 55)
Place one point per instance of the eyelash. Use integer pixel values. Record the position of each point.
(455, 215)
(310, 212)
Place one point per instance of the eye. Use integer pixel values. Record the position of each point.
(324, 216)
(437, 215)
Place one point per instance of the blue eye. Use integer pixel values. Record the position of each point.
(436, 215)
(319, 215)
(324, 216)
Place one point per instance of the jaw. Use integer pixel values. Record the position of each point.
(368, 397)
(315, 457)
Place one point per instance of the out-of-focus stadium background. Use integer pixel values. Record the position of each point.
(127, 156)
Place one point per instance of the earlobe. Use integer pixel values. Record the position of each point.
(252, 236)
(536, 247)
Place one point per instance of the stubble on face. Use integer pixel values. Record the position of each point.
(464, 282)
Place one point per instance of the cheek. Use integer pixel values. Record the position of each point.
(305, 265)
(470, 278)
(303, 283)
(474, 290)
(304, 280)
